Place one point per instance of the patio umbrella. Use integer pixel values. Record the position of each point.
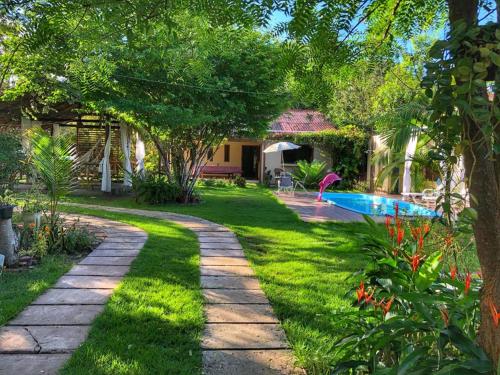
(280, 147)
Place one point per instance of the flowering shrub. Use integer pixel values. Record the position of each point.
(413, 316)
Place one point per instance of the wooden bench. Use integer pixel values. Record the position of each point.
(213, 171)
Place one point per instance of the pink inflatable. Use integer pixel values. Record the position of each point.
(329, 179)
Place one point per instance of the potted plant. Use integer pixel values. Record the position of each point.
(6, 205)
(32, 212)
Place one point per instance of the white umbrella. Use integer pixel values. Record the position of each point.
(280, 147)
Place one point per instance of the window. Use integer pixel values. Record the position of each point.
(210, 154)
(305, 152)
(227, 150)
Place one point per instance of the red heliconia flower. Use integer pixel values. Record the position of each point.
(391, 232)
(494, 313)
(388, 220)
(414, 232)
(369, 297)
(421, 242)
(401, 235)
(396, 209)
(360, 292)
(387, 306)
(427, 228)
(448, 240)
(415, 261)
(468, 279)
(453, 272)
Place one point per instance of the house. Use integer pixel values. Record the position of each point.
(245, 157)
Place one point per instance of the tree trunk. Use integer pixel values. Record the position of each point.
(483, 176)
(7, 241)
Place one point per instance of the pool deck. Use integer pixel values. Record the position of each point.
(310, 210)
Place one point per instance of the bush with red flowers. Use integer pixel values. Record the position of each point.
(418, 312)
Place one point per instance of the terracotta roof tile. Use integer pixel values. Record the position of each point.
(301, 120)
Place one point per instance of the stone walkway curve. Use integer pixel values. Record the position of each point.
(242, 335)
(43, 336)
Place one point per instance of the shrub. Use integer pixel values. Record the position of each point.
(240, 181)
(11, 158)
(155, 190)
(310, 173)
(412, 314)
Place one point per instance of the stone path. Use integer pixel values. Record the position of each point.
(43, 336)
(242, 336)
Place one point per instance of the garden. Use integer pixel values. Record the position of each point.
(181, 264)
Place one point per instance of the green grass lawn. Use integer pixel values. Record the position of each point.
(152, 324)
(19, 289)
(302, 266)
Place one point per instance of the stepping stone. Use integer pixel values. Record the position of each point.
(74, 297)
(114, 253)
(24, 364)
(225, 240)
(243, 336)
(216, 234)
(249, 362)
(108, 245)
(16, 340)
(107, 261)
(57, 315)
(222, 253)
(226, 271)
(98, 270)
(58, 339)
(234, 296)
(124, 241)
(228, 282)
(220, 246)
(207, 229)
(240, 314)
(223, 261)
(88, 282)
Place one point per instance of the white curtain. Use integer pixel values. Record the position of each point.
(140, 153)
(125, 143)
(104, 165)
(410, 151)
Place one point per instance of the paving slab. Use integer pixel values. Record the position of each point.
(107, 261)
(117, 239)
(224, 240)
(108, 245)
(229, 282)
(17, 340)
(24, 364)
(87, 270)
(207, 229)
(249, 362)
(223, 261)
(74, 297)
(58, 339)
(88, 282)
(222, 253)
(216, 234)
(243, 336)
(221, 245)
(114, 253)
(226, 271)
(57, 315)
(230, 296)
(245, 313)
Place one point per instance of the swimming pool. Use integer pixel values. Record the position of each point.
(374, 205)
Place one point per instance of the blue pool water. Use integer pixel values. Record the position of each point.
(375, 205)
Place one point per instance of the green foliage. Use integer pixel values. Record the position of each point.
(412, 315)
(240, 181)
(12, 158)
(155, 189)
(345, 146)
(54, 163)
(310, 174)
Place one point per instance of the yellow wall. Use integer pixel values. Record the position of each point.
(235, 148)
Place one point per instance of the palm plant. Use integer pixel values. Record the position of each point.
(310, 173)
(54, 161)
